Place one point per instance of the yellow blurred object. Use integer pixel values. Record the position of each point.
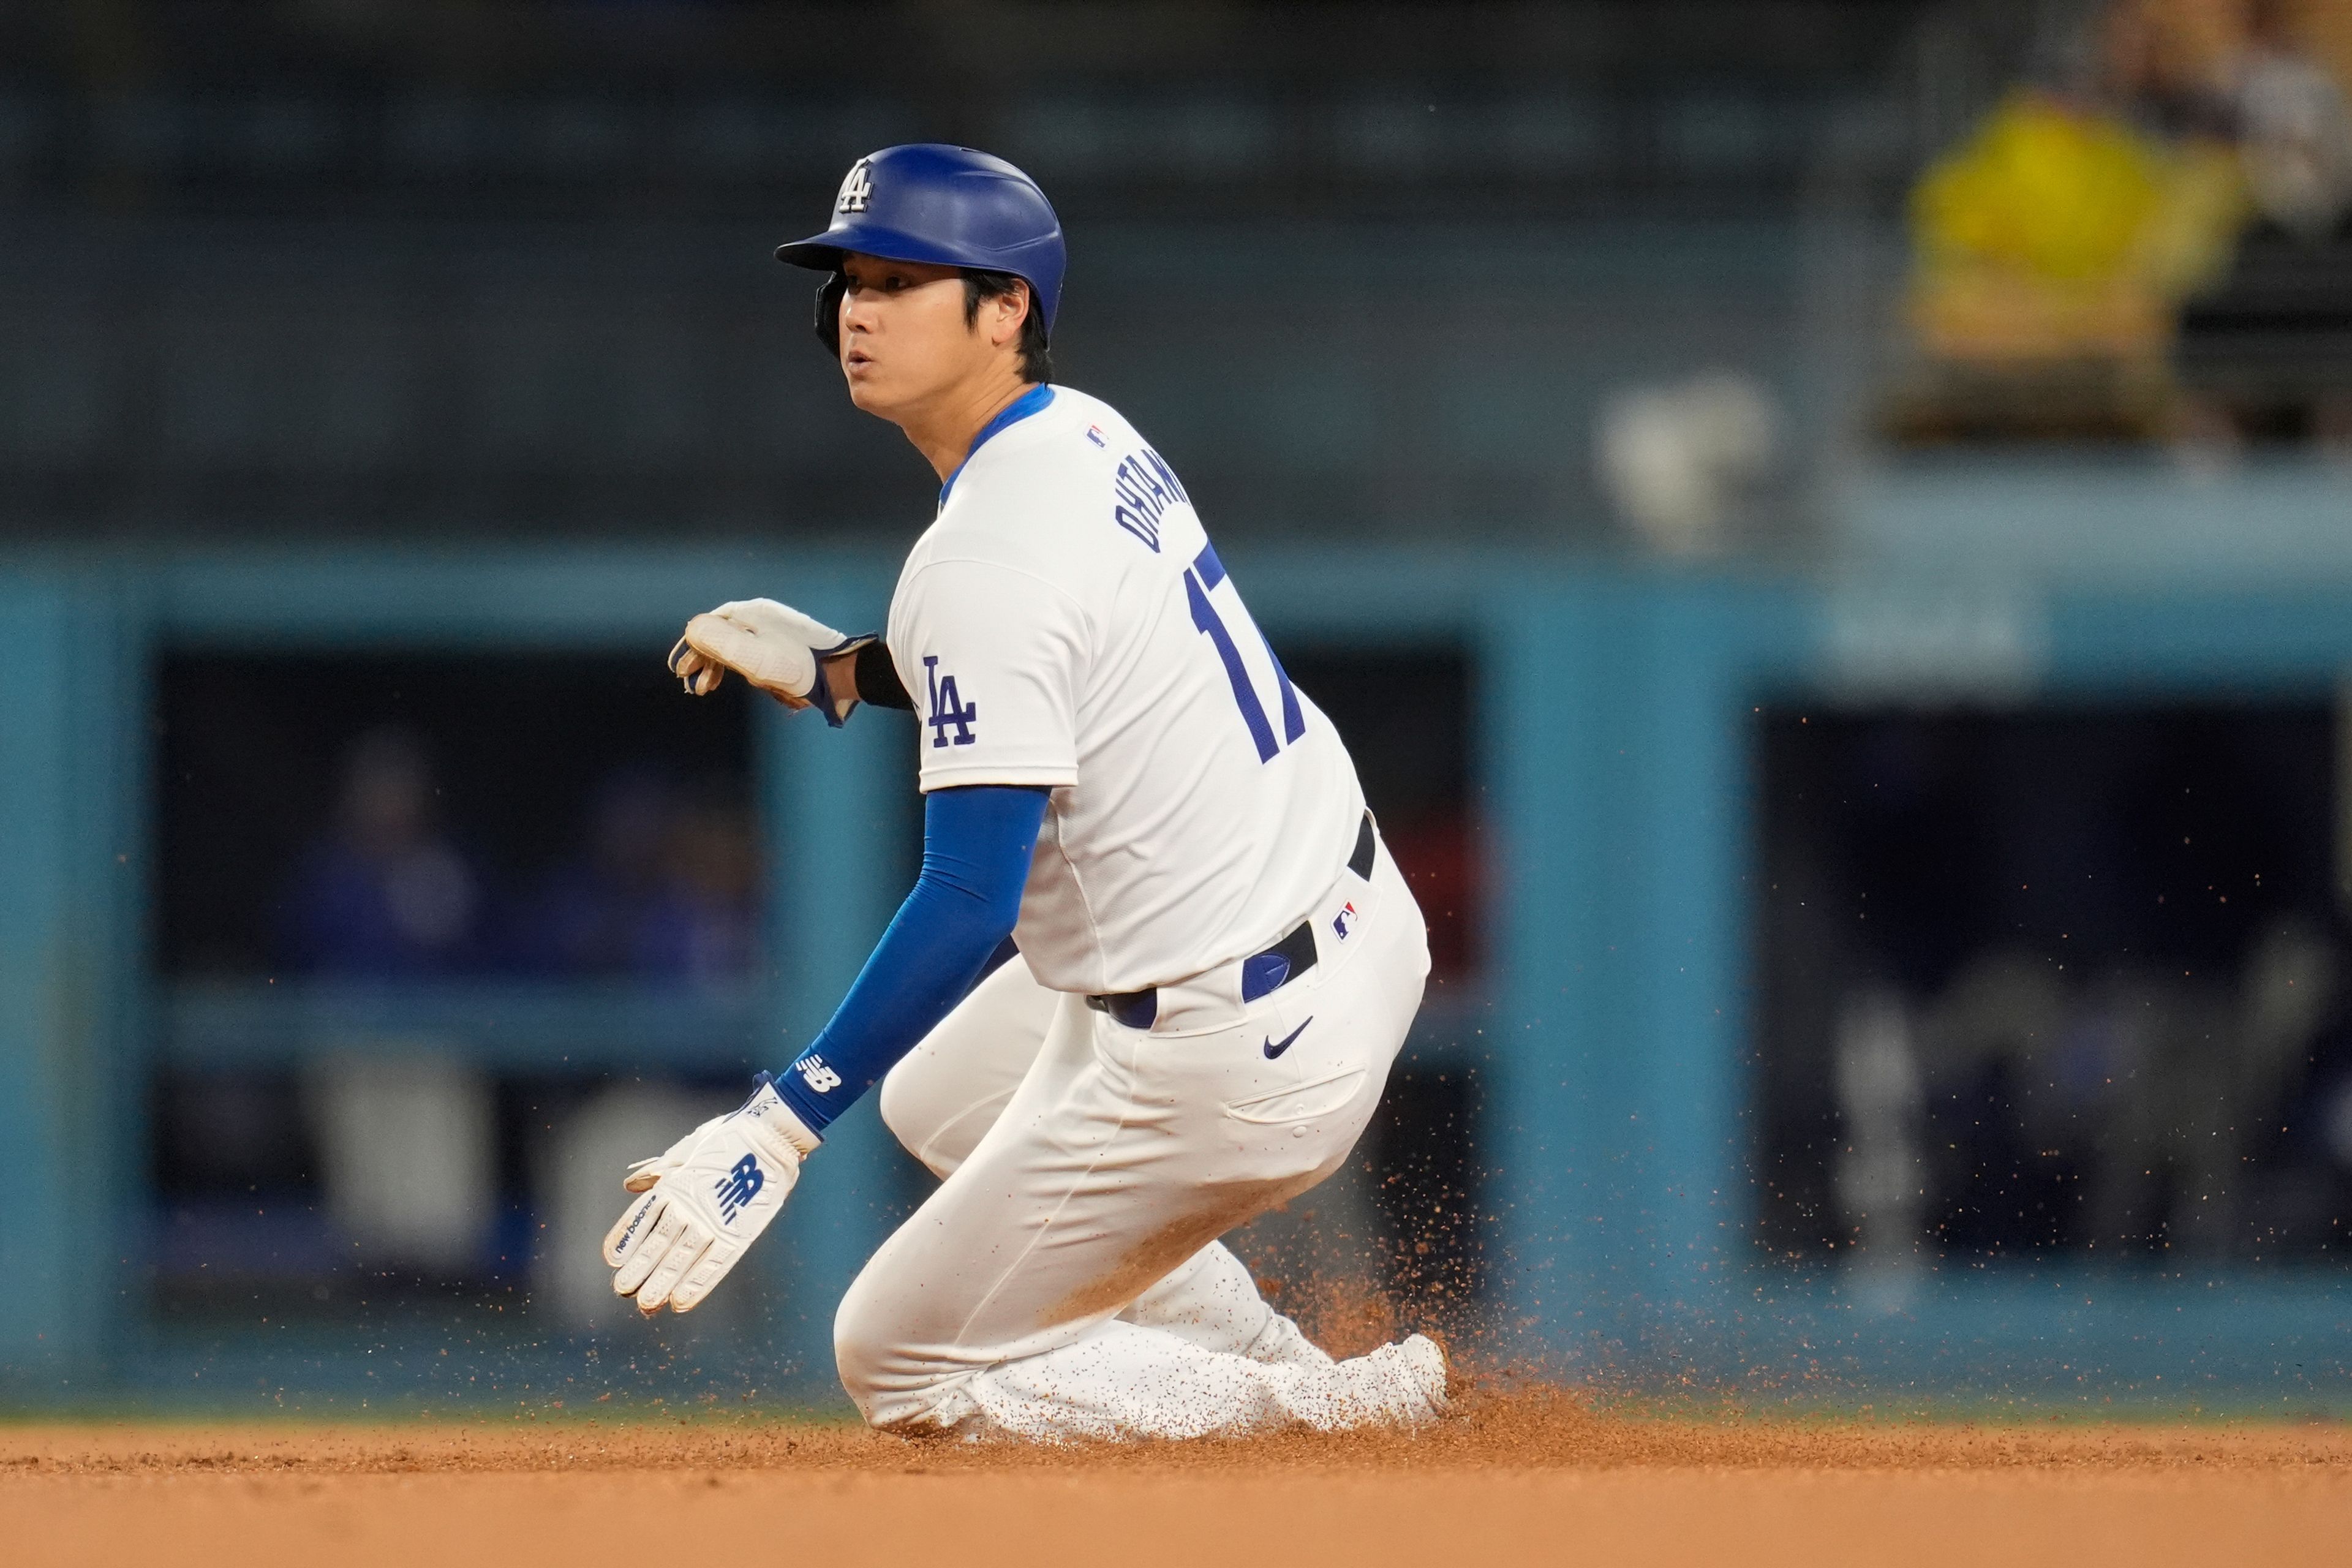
(2192, 236)
(2056, 233)
(2054, 194)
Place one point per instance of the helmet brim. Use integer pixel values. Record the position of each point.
(822, 252)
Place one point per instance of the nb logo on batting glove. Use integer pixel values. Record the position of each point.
(739, 1186)
(821, 1078)
(701, 1204)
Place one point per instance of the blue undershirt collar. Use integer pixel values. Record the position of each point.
(1033, 401)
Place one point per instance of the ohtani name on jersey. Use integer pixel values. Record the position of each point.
(1146, 486)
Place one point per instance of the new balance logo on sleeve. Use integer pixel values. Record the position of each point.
(821, 1078)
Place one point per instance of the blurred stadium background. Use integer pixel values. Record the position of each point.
(1827, 524)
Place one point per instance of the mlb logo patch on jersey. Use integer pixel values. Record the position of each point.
(1343, 919)
(1094, 434)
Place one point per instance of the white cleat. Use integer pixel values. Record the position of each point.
(1437, 1375)
(1281, 1343)
(1425, 1359)
(1402, 1384)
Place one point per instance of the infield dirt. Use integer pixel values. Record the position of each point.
(1531, 1478)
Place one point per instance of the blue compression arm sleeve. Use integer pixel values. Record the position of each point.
(977, 841)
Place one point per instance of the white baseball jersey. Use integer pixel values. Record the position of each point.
(1066, 623)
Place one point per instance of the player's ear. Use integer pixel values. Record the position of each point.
(1012, 308)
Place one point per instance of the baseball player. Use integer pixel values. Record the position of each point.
(1216, 960)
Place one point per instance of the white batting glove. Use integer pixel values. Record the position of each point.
(772, 645)
(705, 1202)
(644, 1174)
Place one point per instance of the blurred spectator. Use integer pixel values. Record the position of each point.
(666, 890)
(587, 917)
(704, 925)
(2053, 247)
(2140, 1097)
(2296, 132)
(2172, 66)
(2267, 353)
(2078, 983)
(386, 894)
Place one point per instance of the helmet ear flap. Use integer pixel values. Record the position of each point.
(829, 295)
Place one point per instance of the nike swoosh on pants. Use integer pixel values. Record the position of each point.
(1274, 1050)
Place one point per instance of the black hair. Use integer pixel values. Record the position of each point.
(1036, 364)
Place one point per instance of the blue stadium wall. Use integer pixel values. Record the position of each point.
(1614, 758)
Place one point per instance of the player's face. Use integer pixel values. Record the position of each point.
(904, 338)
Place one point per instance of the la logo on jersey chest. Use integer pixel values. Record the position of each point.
(948, 711)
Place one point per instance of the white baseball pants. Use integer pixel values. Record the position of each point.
(1066, 1281)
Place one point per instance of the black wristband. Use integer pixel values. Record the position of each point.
(878, 678)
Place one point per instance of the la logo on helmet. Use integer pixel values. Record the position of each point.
(855, 189)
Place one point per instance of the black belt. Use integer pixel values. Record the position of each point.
(1263, 974)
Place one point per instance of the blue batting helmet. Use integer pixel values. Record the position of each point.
(950, 207)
